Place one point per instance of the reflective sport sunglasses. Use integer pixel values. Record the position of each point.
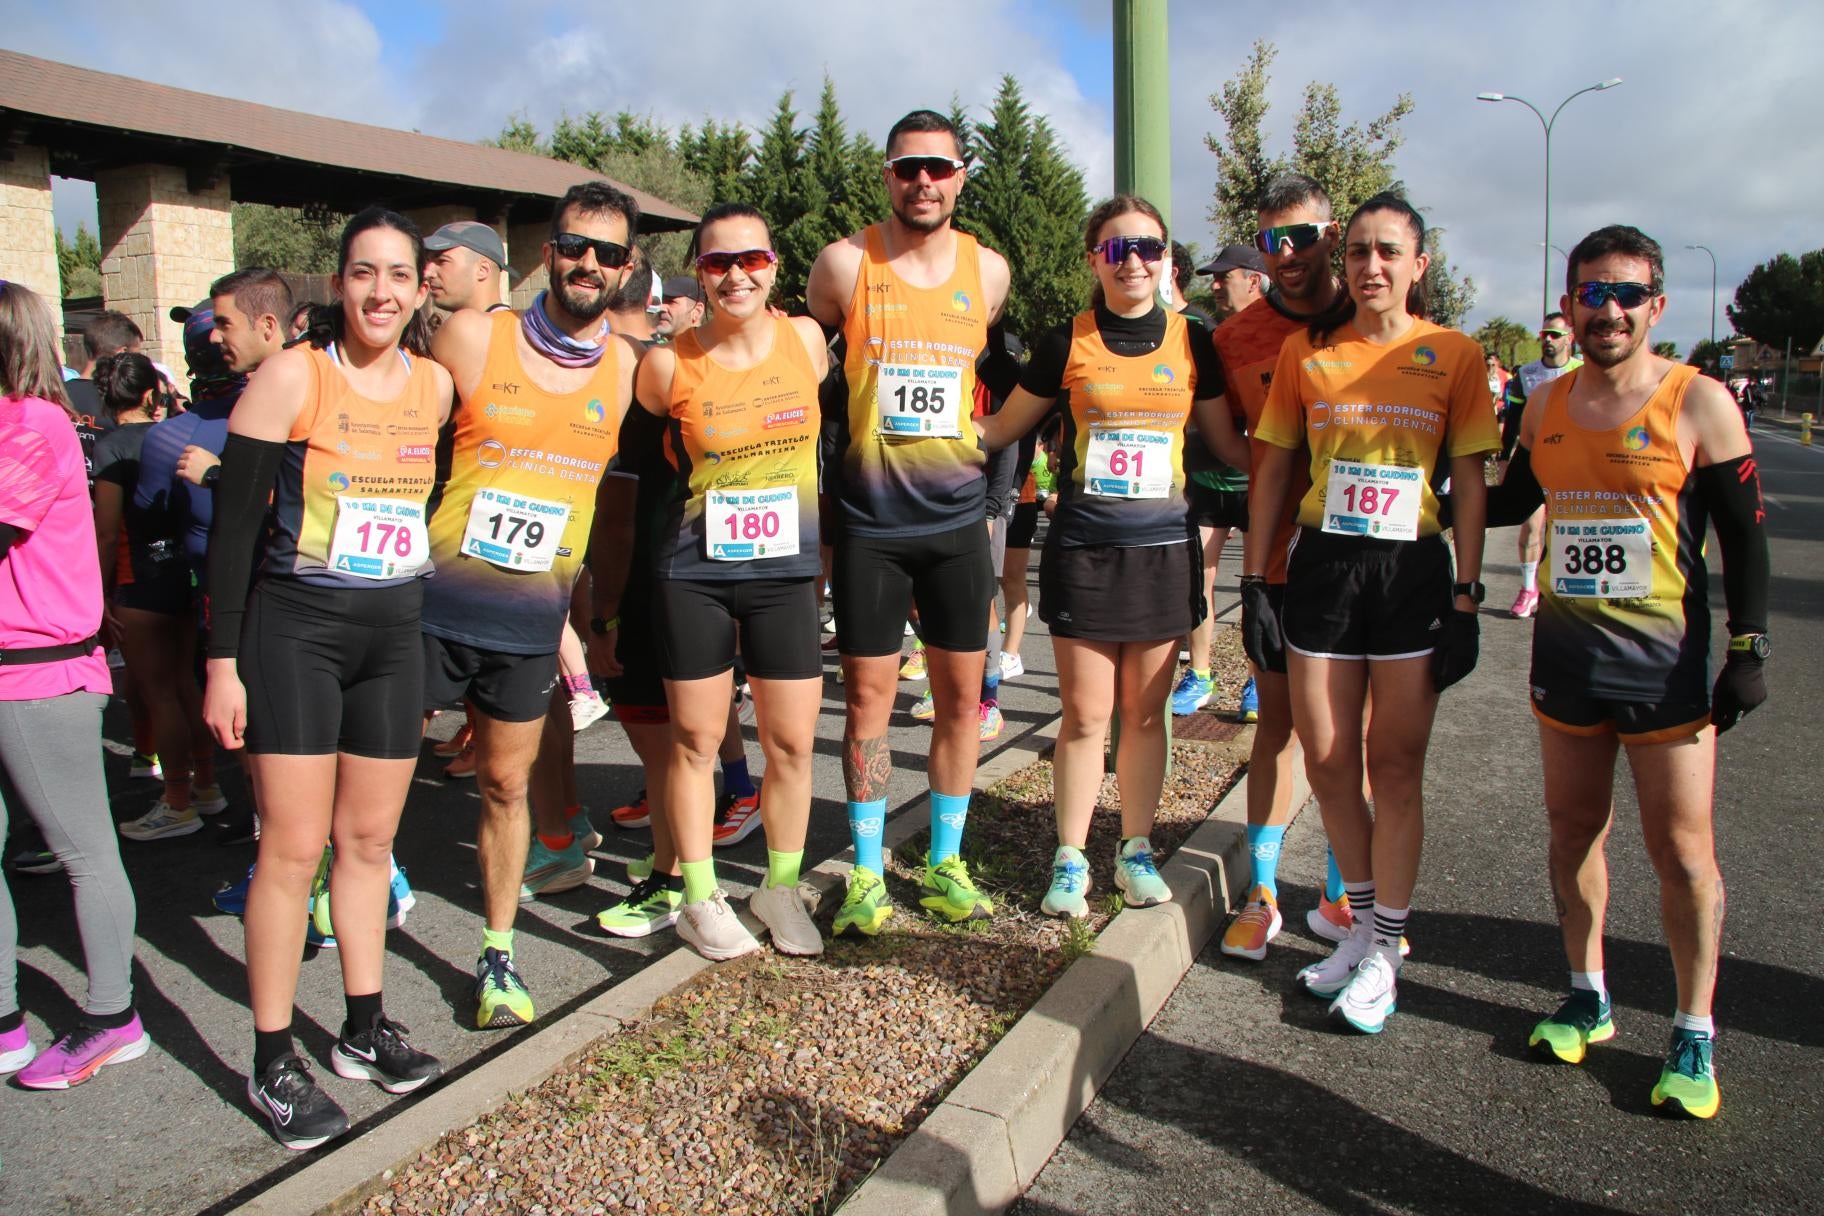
(1116, 248)
(937, 168)
(1554, 333)
(721, 261)
(1299, 236)
(607, 253)
(1628, 295)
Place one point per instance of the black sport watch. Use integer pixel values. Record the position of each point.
(1755, 644)
(1475, 591)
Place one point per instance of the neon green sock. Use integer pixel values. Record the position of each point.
(1201, 675)
(699, 879)
(782, 868)
(497, 939)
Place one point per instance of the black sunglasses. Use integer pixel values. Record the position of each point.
(937, 168)
(572, 246)
(1116, 248)
(1628, 295)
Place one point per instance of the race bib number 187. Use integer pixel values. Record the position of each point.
(918, 400)
(1378, 500)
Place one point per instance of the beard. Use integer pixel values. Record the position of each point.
(582, 301)
(1596, 350)
(922, 224)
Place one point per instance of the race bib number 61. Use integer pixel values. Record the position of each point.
(916, 400)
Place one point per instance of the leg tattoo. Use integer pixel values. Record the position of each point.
(867, 766)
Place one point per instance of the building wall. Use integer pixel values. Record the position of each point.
(28, 233)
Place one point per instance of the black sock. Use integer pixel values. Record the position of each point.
(674, 882)
(107, 1021)
(363, 1011)
(12, 1021)
(269, 1045)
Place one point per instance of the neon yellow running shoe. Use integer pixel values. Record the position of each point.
(1688, 1084)
(865, 907)
(1583, 1019)
(948, 893)
(319, 895)
(501, 998)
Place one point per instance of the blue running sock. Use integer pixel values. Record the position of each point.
(867, 824)
(991, 687)
(948, 813)
(1333, 881)
(735, 779)
(1263, 846)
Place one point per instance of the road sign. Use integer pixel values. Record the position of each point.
(1728, 361)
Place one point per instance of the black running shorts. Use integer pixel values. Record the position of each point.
(1577, 711)
(1356, 597)
(1210, 508)
(505, 687)
(1105, 593)
(877, 580)
(638, 693)
(333, 669)
(779, 635)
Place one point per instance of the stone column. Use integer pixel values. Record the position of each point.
(525, 254)
(162, 244)
(28, 233)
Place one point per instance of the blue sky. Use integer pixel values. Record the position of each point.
(1692, 148)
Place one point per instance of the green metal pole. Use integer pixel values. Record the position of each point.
(1143, 108)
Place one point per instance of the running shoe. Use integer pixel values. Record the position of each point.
(1069, 884)
(16, 1050)
(549, 871)
(116, 660)
(830, 644)
(1525, 604)
(745, 710)
(583, 830)
(641, 868)
(463, 766)
(231, 897)
(1250, 703)
(399, 898)
(1687, 1085)
(1584, 1018)
(78, 1055)
(829, 626)
(926, 709)
(145, 766)
(1137, 876)
(948, 893)
(713, 930)
(381, 1054)
(736, 819)
(208, 800)
(1192, 694)
(635, 814)
(914, 666)
(1012, 665)
(34, 861)
(1370, 995)
(1254, 926)
(910, 632)
(319, 894)
(302, 1115)
(161, 821)
(1331, 921)
(243, 828)
(1330, 976)
(992, 723)
(782, 911)
(456, 744)
(865, 906)
(501, 997)
(586, 710)
(650, 907)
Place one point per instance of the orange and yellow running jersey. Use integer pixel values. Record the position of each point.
(744, 444)
(1381, 423)
(511, 527)
(1249, 344)
(1624, 609)
(349, 506)
(1121, 468)
(911, 461)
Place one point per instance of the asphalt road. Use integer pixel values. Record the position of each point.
(1241, 1098)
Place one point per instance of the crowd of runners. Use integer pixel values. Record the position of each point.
(595, 502)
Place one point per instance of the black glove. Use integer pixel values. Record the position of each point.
(1260, 633)
(1455, 654)
(1740, 686)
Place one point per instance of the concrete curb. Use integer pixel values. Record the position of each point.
(362, 1166)
(983, 1146)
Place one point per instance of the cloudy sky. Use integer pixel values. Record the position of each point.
(1714, 137)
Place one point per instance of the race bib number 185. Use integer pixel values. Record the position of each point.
(916, 400)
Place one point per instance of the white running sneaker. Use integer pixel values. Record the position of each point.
(782, 911)
(161, 821)
(208, 799)
(1331, 976)
(1012, 666)
(1370, 994)
(586, 710)
(711, 926)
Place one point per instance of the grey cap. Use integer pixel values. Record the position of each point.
(470, 234)
(1231, 257)
(682, 285)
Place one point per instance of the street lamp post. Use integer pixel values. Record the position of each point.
(1713, 351)
(1545, 291)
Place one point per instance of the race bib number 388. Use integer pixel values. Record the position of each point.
(514, 531)
(378, 538)
(1610, 559)
(915, 400)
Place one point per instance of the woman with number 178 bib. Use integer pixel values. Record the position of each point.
(1119, 583)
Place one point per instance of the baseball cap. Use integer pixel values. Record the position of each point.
(470, 234)
(682, 285)
(1231, 257)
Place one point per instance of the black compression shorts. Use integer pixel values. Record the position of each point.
(1025, 524)
(638, 693)
(505, 687)
(877, 579)
(333, 669)
(1356, 597)
(779, 638)
(1209, 508)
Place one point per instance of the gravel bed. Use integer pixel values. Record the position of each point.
(775, 1084)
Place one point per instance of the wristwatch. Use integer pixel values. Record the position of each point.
(601, 625)
(1755, 644)
(1475, 591)
(211, 475)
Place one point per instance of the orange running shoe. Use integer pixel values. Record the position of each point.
(1331, 921)
(736, 819)
(1254, 926)
(635, 814)
(456, 744)
(463, 766)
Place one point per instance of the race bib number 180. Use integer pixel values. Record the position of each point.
(915, 400)
(513, 531)
(1609, 559)
(1378, 500)
(378, 538)
(742, 525)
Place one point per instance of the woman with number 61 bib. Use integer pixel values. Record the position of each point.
(1389, 405)
(735, 402)
(319, 671)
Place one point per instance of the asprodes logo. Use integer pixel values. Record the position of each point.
(783, 418)
(1636, 439)
(1424, 356)
(1162, 374)
(338, 482)
(595, 412)
(414, 453)
(960, 301)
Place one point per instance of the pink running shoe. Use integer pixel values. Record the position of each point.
(1525, 604)
(16, 1050)
(78, 1055)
